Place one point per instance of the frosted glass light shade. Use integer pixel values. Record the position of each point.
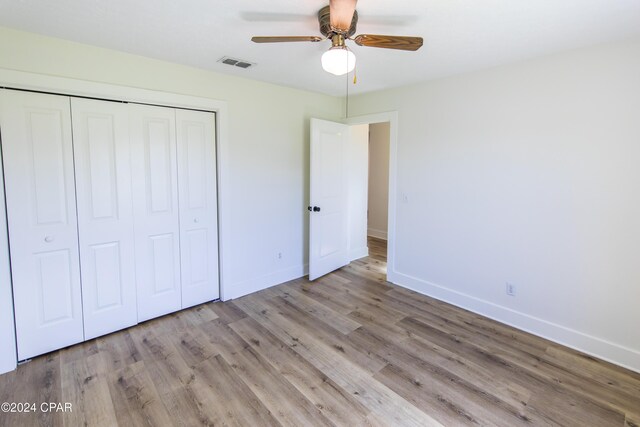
(338, 60)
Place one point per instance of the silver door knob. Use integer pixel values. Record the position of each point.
(196, 220)
(48, 239)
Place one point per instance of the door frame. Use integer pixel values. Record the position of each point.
(12, 79)
(392, 118)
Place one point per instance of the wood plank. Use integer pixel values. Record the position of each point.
(348, 375)
(471, 381)
(227, 312)
(35, 382)
(298, 320)
(135, 399)
(118, 351)
(283, 400)
(85, 383)
(230, 399)
(567, 408)
(336, 320)
(320, 293)
(334, 402)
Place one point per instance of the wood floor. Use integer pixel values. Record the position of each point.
(349, 350)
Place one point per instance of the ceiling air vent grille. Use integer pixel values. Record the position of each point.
(236, 62)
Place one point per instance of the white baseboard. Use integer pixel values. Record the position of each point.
(594, 346)
(237, 290)
(358, 253)
(378, 234)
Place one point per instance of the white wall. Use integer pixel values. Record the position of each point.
(266, 190)
(527, 173)
(378, 180)
(358, 156)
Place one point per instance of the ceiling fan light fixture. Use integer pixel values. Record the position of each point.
(338, 60)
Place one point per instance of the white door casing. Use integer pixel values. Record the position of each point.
(41, 208)
(105, 215)
(198, 206)
(155, 205)
(328, 227)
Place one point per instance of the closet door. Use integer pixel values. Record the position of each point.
(105, 215)
(41, 208)
(155, 206)
(198, 206)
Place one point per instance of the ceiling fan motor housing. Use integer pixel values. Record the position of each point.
(325, 24)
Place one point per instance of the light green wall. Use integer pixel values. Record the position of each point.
(267, 190)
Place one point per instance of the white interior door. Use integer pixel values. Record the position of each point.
(41, 207)
(155, 206)
(198, 206)
(105, 215)
(328, 223)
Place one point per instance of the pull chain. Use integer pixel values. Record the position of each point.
(347, 101)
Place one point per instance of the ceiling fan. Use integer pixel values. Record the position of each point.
(338, 23)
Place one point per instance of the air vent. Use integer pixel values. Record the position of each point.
(236, 62)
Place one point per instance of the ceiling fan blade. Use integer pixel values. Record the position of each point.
(341, 13)
(389, 42)
(281, 39)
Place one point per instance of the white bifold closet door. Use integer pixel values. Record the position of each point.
(105, 215)
(198, 206)
(41, 207)
(155, 205)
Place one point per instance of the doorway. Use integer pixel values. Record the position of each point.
(378, 192)
(339, 192)
(383, 128)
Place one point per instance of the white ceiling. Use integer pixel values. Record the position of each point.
(460, 35)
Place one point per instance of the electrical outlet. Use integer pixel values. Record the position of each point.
(511, 289)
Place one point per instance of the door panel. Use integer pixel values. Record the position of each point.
(328, 227)
(54, 287)
(40, 195)
(198, 206)
(46, 151)
(105, 215)
(162, 252)
(106, 261)
(159, 165)
(155, 195)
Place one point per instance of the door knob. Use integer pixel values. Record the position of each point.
(48, 239)
(309, 208)
(316, 209)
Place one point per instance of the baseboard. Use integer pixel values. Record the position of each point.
(378, 234)
(237, 290)
(358, 253)
(594, 346)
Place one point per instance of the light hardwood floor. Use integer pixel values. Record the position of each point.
(349, 349)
